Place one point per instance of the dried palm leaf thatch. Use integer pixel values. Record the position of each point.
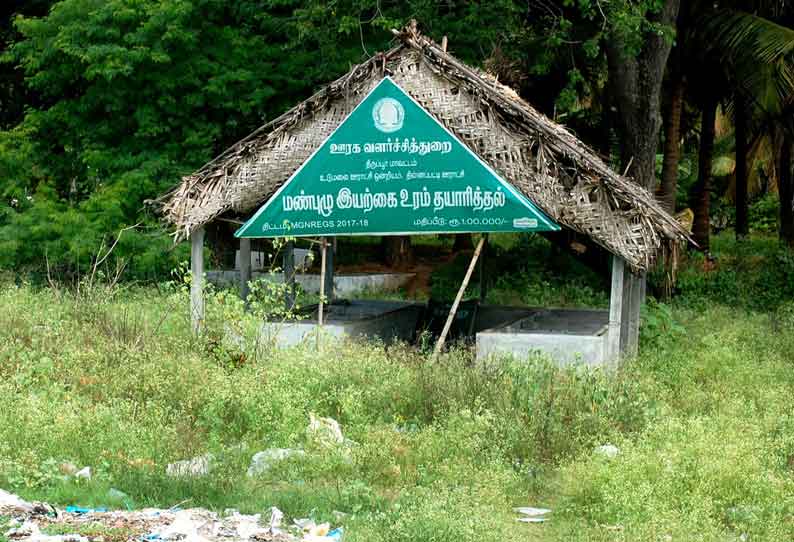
(542, 159)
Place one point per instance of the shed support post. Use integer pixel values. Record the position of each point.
(321, 305)
(637, 300)
(289, 274)
(615, 310)
(634, 297)
(330, 249)
(197, 279)
(245, 268)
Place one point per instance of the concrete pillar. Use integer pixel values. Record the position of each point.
(637, 300)
(197, 279)
(615, 310)
(633, 298)
(625, 312)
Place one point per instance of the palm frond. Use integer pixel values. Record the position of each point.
(739, 36)
(756, 54)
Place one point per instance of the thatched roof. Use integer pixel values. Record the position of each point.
(545, 161)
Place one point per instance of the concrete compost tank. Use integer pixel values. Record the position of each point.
(566, 335)
(386, 320)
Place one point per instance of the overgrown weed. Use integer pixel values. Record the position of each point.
(442, 450)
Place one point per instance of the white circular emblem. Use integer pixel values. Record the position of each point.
(388, 115)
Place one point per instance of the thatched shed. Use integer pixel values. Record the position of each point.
(542, 159)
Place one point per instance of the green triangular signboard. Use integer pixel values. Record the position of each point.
(390, 168)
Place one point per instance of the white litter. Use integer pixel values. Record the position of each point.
(531, 511)
(609, 451)
(324, 431)
(198, 466)
(265, 460)
(11, 504)
(530, 514)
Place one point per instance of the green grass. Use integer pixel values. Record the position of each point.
(717, 461)
(95, 530)
(115, 380)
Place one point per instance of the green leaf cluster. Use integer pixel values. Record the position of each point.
(133, 94)
(130, 95)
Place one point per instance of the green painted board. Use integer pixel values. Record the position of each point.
(390, 168)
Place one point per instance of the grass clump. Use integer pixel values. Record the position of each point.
(717, 462)
(439, 451)
(122, 385)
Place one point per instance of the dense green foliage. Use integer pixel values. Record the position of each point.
(121, 98)
(135, 94)
(754, 276)
(114, 379)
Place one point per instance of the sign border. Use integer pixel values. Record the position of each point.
(512, 189)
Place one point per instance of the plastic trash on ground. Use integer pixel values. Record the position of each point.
(82, 510)
(530, 514)
(324, 431)
(198, 466)
(158, 525)
(265, 460)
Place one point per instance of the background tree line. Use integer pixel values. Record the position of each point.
(106, 103)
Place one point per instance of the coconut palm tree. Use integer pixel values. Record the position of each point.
(737, 53)
(756, 55)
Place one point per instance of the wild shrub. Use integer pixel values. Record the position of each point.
(763, 214)
(754, 274)
(702, 421)
(658, 323)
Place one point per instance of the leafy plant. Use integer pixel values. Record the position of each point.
(658, 323)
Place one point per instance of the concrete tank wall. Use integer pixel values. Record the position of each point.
(566, 335)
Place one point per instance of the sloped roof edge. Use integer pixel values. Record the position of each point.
(594, 200)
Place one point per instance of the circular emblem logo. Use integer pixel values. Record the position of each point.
(388, 115)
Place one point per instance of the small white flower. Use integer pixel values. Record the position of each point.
(14, 202)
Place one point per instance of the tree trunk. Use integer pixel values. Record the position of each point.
(786, 192)
(672, 143)
(462, 242)
(605, 144)
(701, 197)
(742, 226)
(635, 83)
(397, 251)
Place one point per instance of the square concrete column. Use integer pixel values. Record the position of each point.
(615, 310)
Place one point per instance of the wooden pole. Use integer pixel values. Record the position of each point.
(483, 286)
(461, 291)
(245, 268)
(323, 250)
(330, 255)
(289, 274)
(197, 279)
